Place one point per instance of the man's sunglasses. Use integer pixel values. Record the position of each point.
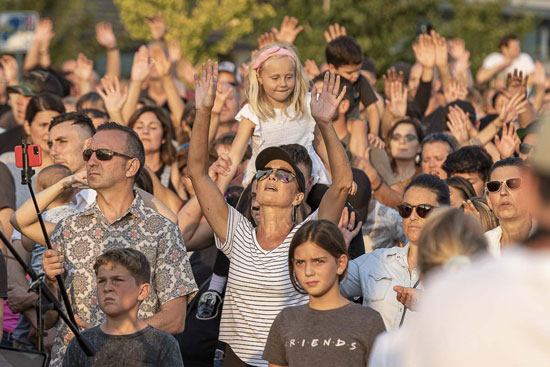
(281, 174)
(511, 183)
(102, 154)
(422, 210)
(525, 148)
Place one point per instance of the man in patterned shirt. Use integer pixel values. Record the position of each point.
(118, 219)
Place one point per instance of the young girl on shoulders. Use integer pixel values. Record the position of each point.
(329, 330)
(278, 111)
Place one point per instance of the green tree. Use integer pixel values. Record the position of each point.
(73, 25)
(205, 28)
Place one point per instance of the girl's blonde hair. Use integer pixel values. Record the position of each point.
(447, 233)
(296, 102)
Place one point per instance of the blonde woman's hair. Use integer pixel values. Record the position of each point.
(448, 232)
(296, 102)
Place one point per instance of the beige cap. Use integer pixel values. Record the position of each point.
(541, 155)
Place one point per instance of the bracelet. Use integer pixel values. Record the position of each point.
(379, 185)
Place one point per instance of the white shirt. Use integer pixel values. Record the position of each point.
(523, 62)
(494, 313)
(494, 236)
(373, 277)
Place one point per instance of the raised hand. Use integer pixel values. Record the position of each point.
(311, 69)
(205, 86)
(113, 96)
(397, 98)
(186, 71)
(9, 64)
(334, 31)
(44, 31)
(469, 208)
(221, 167)
(174, 51)
(348, 227)
(266, 39)
(453, 91)
(458, 124)
(460, 55)
(512, 107)
(160, 61)
(375, 141)
(324, 107)
(223, 92)
(408, 296)
(539, 76)
(84, 67)
(141, 65)
(516, 83)
(289, 30)
(105, 36)
(424, 51)
(77, 180)
(157, 26)
(391, 76)
(509, 141)
(441, 53)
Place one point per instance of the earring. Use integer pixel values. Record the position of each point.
(417, 158)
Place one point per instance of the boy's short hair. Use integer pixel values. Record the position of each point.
(469, 159)
(344, 50)
(51, 175)
(133, 260)
(78, 118)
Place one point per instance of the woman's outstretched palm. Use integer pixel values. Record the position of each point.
(324, 107)
(205, 86)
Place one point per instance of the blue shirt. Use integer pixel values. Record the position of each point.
(373, 277)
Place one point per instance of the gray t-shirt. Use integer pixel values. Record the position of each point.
(147, 347)
(302, 336)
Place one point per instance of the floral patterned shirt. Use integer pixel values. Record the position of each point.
(82, 237)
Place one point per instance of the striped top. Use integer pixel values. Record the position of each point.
(258, 288)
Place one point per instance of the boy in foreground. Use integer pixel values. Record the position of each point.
(123, 277)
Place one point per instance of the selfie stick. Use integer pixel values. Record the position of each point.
(26, 179)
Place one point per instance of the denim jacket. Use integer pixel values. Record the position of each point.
(373, 277)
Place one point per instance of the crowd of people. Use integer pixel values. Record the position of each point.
(280, 213)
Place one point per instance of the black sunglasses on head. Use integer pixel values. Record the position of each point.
(511, 183)
(103, 154)
(422, 210)
(282, 175)
(525, 148)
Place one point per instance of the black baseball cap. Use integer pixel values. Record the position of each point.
(37, 82)
(272, 153)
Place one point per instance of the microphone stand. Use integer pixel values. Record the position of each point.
(38, 283)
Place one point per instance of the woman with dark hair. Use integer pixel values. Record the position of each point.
(317, 261)
(375, 275)
(461, 189)
(435, 148)
(403, 148)
(154, 127)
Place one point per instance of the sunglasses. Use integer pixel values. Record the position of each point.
(408, 138)
(511, 183)
(525, 148)
(281, 174)
(422, 210)
(102, 154)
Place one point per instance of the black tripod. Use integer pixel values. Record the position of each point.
(38, 283)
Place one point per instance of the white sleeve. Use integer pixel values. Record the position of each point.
(247, 113)
(492, 60)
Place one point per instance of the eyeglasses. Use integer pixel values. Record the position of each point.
(102, 154)
(525, 148)
(281, 174)
(511, 183)
(408, 138)
(422, 210)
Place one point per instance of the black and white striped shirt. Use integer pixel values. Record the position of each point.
(258, 288)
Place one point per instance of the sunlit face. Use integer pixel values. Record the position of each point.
(457, 197)
(38, 129)
(350, 72)
(414, 196)
(277, 76)
(150, 132)
(475, 179)
(512, 50)
(316, 269)
(107, 174)
(66, 142)
(404, 142)
(272, 192)
(117, 291)
(433, 155)
(506, 202)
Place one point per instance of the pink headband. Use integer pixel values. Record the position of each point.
(272, 51)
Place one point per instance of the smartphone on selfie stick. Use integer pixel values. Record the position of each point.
(26, 157)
